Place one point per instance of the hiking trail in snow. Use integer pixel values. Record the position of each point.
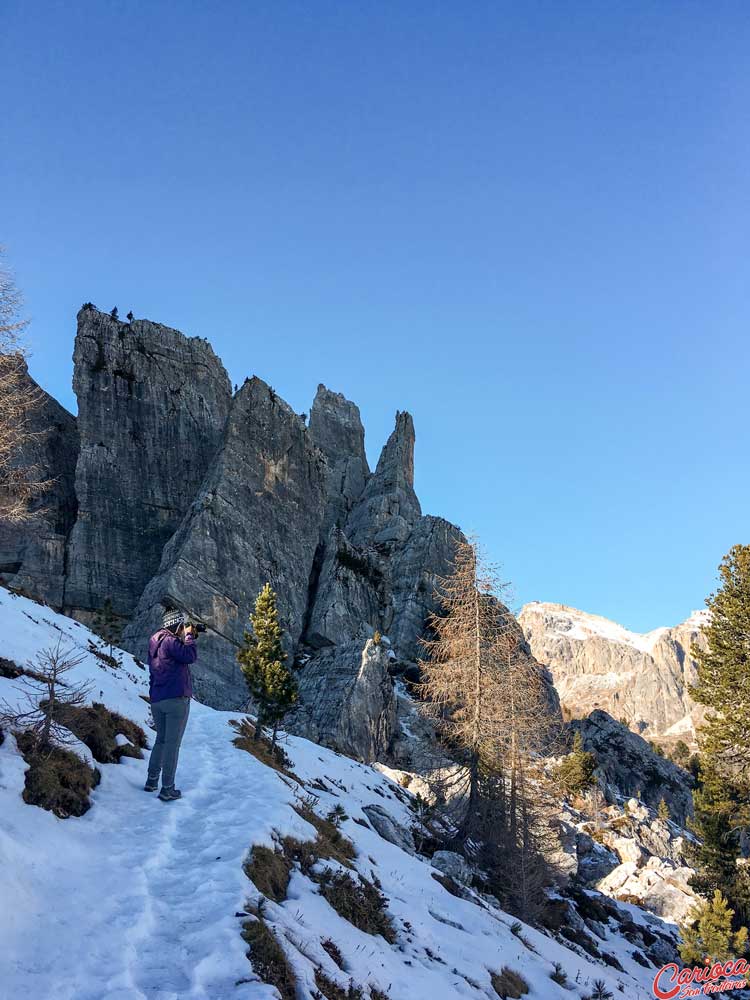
(143, 900)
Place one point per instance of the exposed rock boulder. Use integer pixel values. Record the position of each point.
(453, 865)
(389, 828)
(152, 405)
(33, 554)
(597, 664)
(255, 520)
(379, 559)
(594, 859)
(564, 860)
(347, 699)
(660, 885)
(628, 849)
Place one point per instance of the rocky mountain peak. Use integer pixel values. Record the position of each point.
(152, 404)
(389, 509)
(189, 495)
(336, 427)
(643, 678)
(396, 463)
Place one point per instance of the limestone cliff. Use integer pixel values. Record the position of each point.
(597, 664)
(173, 491)
(255, 519)
(33, 555)
(152, 405)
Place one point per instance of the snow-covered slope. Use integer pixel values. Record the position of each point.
(139, 899)
(596, 663)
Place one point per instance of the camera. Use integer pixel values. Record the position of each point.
(195, 626)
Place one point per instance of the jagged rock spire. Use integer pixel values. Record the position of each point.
(396, 463)
(389, 508)
(336, 428)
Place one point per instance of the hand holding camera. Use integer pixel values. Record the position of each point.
(194, 628)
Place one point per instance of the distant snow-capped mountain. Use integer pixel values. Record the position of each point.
(596, 663)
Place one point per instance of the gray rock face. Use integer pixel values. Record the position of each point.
(185, 496)
(347, 700)
(380, 558)
(256, 519)
(426, 555)
(336, 428)
(152, 405)
(350, 589)
(388, 508)
(388, 828)
(596, 663)
(453, 865)
(631, 768)
(33, 555)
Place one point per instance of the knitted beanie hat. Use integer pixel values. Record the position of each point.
(172, 619)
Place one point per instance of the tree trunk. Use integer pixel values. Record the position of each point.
(47, 727)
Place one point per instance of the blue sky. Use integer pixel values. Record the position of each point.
(527, 223)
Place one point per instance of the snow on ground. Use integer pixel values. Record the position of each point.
(143, 899)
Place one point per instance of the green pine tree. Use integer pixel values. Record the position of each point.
(681, 753)
(262, 659)
(663, 810)
(576, 771)
(723, 685)
(714, 857)
(708, 933)
(724, 666)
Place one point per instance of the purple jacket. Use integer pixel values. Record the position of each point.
(168, 659)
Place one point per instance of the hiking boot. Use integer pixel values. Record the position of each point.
(170, 794)
(150, 785)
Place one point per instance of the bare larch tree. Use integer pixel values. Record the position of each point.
(46, 692)
(487, 698)
(19, 482)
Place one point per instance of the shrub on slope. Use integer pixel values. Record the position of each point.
(56, 779)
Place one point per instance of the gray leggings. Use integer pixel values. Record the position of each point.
(170, 716)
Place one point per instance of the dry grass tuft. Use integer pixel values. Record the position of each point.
(9, 669)
(334, 952)
(272, 755)
(330, 844)
(269, 871)
(56, 780)
(509, 984)
(97, 727)
(358, 901)
(268, 959)
(329, 990)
